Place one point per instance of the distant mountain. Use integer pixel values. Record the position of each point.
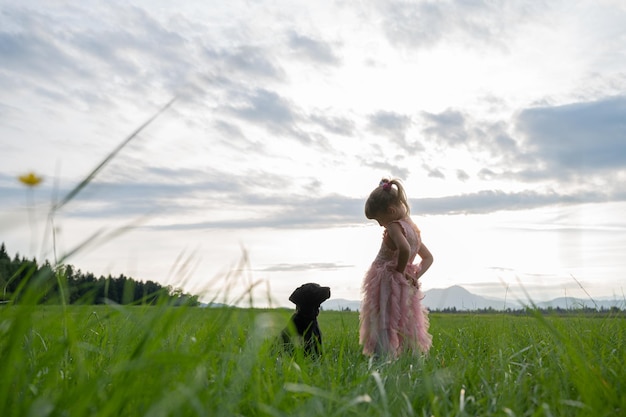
(573, 303)
(341, 304)
(214, 305)
(459, 298)
(437, 299)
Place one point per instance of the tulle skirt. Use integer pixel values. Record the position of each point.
(392, 319)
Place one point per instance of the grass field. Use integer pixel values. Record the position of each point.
(175, 361)
(158, 361)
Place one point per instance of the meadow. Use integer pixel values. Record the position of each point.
(188, 361)
(165, 360)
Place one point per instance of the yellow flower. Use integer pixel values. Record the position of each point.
(30, 179)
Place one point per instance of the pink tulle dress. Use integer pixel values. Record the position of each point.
(392, 319)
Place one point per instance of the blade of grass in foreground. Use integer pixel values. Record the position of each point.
(108, 158)
(78, 188)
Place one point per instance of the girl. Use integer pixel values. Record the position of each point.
(392, 318)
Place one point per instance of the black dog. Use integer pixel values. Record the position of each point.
(303, 324)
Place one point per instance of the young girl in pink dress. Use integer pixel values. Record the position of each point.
(392, 319)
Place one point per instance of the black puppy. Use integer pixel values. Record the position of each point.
(303, 324)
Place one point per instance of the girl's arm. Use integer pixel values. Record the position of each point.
(394, 231)
(427, 259)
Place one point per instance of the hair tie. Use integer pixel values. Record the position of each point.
(385, 184)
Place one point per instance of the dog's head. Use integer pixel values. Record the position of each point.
(308, 297)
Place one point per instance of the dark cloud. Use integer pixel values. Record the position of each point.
(435, 173)
(477, 23)
(494, 135)
(328, 266)
(331, 211)
(496, 200)
(280, 116)
(385, 121)
(414, 24)
(448, 127)
(156, 190)
(30, 53)
(268, 109)
(90, 54)
(391, 125)
(486, 174)
(11, 194)
(455, 128)
(245, 61)
(575, 144)
(334, 125)
(229, 130)
(486, 142)
(576, 139)
(253, 201)
(283, 212)
(461, 175)
(312, 49)
(385, 163)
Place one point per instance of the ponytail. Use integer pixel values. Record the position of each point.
(384, 196)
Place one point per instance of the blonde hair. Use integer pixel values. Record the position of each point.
(385, 196)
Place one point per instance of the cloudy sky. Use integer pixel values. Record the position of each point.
(506, 120)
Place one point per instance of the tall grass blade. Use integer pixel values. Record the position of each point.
(108, 158)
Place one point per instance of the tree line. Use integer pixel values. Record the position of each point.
(532, 310)
(24, 281)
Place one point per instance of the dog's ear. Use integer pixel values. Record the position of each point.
(298, 296)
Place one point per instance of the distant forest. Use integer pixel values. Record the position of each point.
(24, 281)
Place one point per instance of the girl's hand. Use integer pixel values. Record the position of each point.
(413, 281)
(411, 274)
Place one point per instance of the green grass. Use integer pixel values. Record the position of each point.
(178, 361)
(161, 361)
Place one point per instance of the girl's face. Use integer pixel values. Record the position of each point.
(392, 213)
